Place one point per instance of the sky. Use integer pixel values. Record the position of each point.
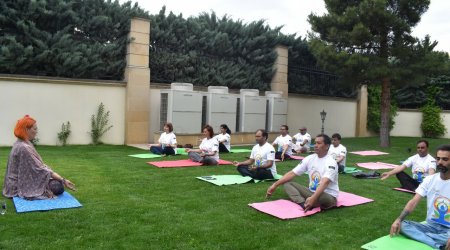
(292, 14)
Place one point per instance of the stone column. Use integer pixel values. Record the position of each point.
(137, 76)
(361, 112)
(279, 80)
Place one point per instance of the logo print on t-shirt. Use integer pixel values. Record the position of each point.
(258, 160)
(314, 181)
(441, 213)
(419, 174)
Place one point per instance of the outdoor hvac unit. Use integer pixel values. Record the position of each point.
(221, 108)
(252, 110)
(183, 107)
(276, 110)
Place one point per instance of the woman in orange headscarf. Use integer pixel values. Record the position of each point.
(26, 174)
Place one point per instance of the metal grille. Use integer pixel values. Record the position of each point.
(163, 110)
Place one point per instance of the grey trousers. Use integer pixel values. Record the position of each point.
(298, 194)
(208, 160)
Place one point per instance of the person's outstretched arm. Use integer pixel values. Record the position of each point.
(410, 206)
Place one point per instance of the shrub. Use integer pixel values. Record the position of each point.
(99, 124)
(374, 109)
(64, 134)
(432, 123)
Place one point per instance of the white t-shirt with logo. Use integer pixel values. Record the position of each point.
(437, 192)
(319, 168)
(227, 138)
(420, 165)
(284, 140)
(299, 138)
(262, 154)
(340, 150)
(168, 138)
(208, 146)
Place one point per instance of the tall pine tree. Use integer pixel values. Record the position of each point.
(370, 41)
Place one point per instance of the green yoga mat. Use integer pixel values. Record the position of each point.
(146, 156)
(181, 151)
(222, 180)
(398, 242)
(351, 170)
(241, 150)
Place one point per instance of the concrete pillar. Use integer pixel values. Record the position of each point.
(361, 112)
(137, 76)
(279, 80)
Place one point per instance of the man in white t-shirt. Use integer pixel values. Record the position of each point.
(302, 141)
(284, 143)
(338, 151)
(261, 164)
(323, 175)
(422, 164)
(435, 232)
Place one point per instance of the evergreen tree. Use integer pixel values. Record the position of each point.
(370, 41)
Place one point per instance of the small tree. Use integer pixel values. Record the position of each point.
(64, 134)
(99, 124)
(432, 123)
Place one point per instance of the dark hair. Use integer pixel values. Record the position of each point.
(224, 126)
(210, 130)
(264, 133)
(445, 147)
(424, 141)
(56, 186)
(169, 125)
(286, 127)
(337, 136)
(326, 138)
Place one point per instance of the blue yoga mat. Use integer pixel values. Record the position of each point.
(65, 200)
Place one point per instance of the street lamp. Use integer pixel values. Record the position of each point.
(323, 114)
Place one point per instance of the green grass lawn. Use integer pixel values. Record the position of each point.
(128, 204)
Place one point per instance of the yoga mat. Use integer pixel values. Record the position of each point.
(404, 190)
(182, 163)
(241, 150)
(351, 170)
(146, 156)
(284, 209)
(65, 200)
(181, 151)
(222, 180)
(293, 157)
(376, 165)
(398, 242)
(369, 152)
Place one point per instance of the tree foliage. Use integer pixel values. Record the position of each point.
(65, 38)
(370, 42)
(373, 109)
(432, 123)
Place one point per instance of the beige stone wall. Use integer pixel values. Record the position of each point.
(305, 111)
(52, 101)
(407, 123)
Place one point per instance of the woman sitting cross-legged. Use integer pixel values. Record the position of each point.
(26, 174)
(167, 142)
(208, 152)
(224, 139)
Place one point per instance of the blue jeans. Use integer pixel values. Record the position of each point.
(434, 235)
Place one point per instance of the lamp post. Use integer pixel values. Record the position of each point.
(323, 114)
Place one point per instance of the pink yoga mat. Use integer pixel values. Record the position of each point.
(376, 165)
(404, 190)
(369, 152)
(182, 163)
(294, 157)
(284, 209)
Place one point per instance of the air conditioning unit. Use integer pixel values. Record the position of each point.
(221, 108)
(252, 110)
(183, 107)
(276, 110)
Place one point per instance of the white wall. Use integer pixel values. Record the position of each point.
(305, 111)
(407, 123)
(52, 102)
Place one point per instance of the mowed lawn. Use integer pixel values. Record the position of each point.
(128, 204)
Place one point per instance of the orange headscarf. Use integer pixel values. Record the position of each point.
(20, 131)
